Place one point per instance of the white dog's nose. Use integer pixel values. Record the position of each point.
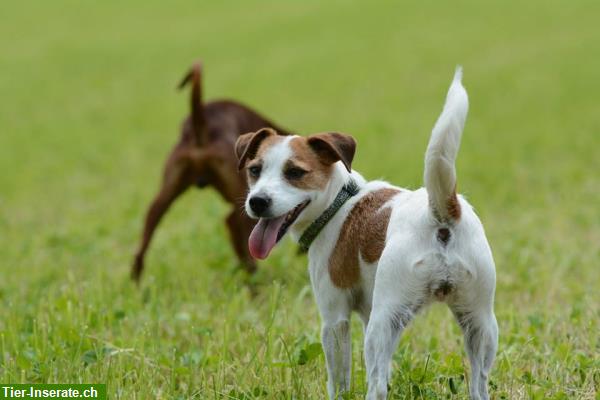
(259, 204)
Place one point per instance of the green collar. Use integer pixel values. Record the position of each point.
(349, 190)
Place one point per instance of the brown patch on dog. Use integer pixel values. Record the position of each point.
(453, 206)
(304, 157)
(371, 249)
(363, 232)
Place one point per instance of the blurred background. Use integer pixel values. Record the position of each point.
(89, 111)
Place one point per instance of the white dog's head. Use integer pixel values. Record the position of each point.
(285, 174)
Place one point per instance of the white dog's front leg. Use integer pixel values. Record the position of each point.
(335, 308)
(337, 347)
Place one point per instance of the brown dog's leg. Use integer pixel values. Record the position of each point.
(239, 230)
(176, 180)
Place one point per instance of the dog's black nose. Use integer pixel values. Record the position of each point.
(259, 204)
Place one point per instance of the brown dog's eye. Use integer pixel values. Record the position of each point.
(254, 171)
(294, 173)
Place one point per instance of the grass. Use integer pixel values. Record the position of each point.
(88, 113)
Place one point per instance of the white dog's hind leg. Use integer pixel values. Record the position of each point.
(480, 331)
(397, 296)
(383, 333)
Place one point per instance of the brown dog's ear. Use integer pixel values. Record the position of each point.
(332, 147)
(247, 145)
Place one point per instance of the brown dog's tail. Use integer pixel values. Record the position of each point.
(195, 77)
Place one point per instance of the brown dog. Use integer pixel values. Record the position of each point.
(205, 156)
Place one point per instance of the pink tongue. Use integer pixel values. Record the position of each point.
(264, 236)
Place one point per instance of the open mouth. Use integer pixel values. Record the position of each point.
(268, 231)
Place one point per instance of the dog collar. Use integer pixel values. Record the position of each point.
(349, 190)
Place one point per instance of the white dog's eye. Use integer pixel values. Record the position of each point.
(254, 171)
(294, 173)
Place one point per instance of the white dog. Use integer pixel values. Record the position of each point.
(374, 248)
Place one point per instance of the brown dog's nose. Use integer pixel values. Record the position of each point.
(259, 205)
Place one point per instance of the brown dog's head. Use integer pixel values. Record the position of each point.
(285, 174)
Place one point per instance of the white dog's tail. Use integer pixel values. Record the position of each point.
(440, 173)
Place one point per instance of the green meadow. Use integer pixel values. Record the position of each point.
(89, 110)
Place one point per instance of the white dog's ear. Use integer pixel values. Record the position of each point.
(247, 145)
(332, 147)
